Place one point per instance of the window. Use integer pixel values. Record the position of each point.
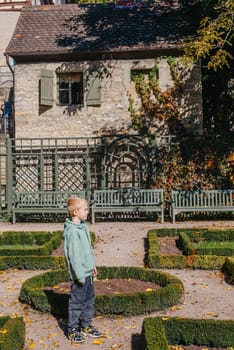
(145, 74)
(70, 88)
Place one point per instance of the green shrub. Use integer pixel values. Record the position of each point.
(153, 335)
(207, 243)
(185, 331)
(205, 262)
(41, 258)
(12, 333)
(32, 292)
(29, 243)
(32, 262)
(156, 260)
(215, 333)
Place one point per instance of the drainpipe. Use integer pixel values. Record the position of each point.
(13, 104)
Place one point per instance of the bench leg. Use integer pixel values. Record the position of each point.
(92, 217)
(13, 217)
(173, 216)
(162, 216)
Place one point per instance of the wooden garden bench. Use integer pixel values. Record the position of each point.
(42, 202)
(127, 200)
(201, 201)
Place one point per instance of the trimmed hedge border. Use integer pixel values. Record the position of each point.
(206, 262)
(32, 292)
(12, 333)
(37, 261)
(158, 332)
(187, 243)
(32, 262)
(46, 241)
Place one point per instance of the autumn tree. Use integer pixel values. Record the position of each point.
(215, 35)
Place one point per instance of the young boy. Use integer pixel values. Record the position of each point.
(81, 268)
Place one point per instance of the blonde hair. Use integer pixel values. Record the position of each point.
(74, 203)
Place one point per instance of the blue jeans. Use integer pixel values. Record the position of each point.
(81, 304)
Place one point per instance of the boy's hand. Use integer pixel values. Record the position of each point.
(81, 283)
(95, 272)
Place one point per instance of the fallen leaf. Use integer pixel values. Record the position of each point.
(212, 314)
(174, 308)
(56, 344)
(98, 341)
(32, 345)
(3, 331)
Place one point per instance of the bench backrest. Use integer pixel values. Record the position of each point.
(56, 199)
(206, 198)
(127, 197)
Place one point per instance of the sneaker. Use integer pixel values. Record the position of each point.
(75, 336)
(91, 332)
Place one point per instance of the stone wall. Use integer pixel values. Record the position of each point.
(112, 116)
(8, 20)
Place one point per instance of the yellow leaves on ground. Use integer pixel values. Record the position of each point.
(28, 321)
(30, 344)
(4, 331)
(50, 335)
(175, 308)
(212, 314)
(63, 288)
(56, 344)
(98, 341)
(116, 346)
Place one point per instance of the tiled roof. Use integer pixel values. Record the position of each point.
(73, 28)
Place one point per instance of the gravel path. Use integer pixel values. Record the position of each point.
(206, 293)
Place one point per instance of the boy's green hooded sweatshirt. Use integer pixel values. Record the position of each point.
(78, 250)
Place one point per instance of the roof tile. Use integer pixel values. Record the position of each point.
(87, 28)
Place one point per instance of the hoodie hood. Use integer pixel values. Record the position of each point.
(69, 224)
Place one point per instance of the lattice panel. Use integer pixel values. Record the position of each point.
(126, 163)
(48, 174)
(96, 173)
(71, 173)
(26, 171)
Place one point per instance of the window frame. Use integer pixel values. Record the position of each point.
(70, 81)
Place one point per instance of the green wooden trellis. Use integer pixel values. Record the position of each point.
(74, 164)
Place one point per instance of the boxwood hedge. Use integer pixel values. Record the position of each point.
(12, 333)
(158, 332)
(156, 260)
(33, 292)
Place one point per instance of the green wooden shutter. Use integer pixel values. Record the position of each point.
(46, 88)
(93, 96)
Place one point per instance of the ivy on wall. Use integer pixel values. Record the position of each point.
(159, 110)
(190, 164)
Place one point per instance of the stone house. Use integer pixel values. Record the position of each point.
(74, 63)
(9, 15)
